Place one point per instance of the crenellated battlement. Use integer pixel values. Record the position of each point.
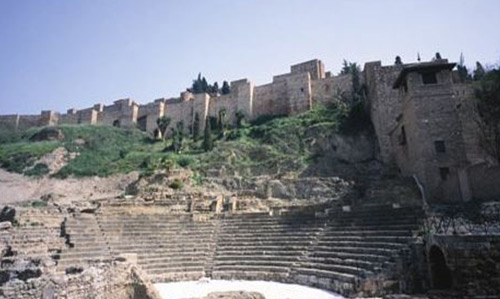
(287, 94)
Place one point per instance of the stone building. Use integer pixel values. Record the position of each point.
(422, 115)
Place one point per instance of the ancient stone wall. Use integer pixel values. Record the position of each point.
(270, 99)
(385, 103)
(427, 140)
(314, 67)
(9, 122)
(472, 261)
(298, 93)
(465, 104)
(148, 114)
(123, 113)
(325, 90)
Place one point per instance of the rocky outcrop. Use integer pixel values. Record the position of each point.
(48, 133)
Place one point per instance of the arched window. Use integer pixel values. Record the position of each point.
(440, 273)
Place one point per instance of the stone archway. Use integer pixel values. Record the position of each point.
(116, 123)
(440, 272)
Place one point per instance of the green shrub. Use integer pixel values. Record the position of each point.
(196, 179)
(39, 170)
(38, 204)
(184, 161)
(176, 184)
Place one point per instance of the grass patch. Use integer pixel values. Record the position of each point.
(38, 204)
(39, 170)
(17, 156)
(270, 145)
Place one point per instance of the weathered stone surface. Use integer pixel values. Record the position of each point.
(5, 225)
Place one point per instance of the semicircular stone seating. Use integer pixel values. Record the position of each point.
(340, 252)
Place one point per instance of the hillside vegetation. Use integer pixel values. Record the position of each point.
(266, 146)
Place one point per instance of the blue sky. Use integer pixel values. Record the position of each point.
(58, 54)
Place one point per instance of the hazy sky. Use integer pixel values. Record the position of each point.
(59, 54)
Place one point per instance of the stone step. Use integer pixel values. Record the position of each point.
(375, 258)
(272, 234)
(221, 248)
(159, 254)
(151, 230)
(244, 263)
(153, 271)
(258, 251)
(144, 260)
(373, 228)
(390, 239)
(77, 254)
(251, 268)
(370, 264)
(173, 264)
(327, 274)
(83, 260)
(164, 246)
(336, 268)
(360, 250)
(377, 233)
(358, 244)
(264, 242)
(238, 258)
(268, 230)
(258, 237)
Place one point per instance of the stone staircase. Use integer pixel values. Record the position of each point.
(168, 247)
(346, 252)
(86, 243)
(31, 246)
(357, 247)
(260, 246)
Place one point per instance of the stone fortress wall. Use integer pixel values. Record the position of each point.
(287, 94)
(425, 129)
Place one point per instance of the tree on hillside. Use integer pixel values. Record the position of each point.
(215, 88)
(178, 136)
(438, 56)
(462, 69)
(196, 126)
(197, 87)
(355, 116)
(240, 115)
(346, 68)
(225, 88)
(479, 72)
(207, 137)
(204, 85)
(163, 123)
(488, 95)
(398, 61)
(222, 122)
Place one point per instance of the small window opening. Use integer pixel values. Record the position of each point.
(440, 146)
(402, 136)
(302, 89)
(429, 78)
(444, 172)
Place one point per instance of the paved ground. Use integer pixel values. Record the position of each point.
(270, 290)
